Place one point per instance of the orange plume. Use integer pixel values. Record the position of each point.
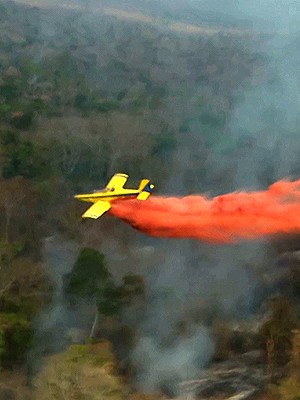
(225, 218)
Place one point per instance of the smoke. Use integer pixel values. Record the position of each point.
(166, 366)
(52, 324)
(262, 132)
(224, 218)
(258, 146)
(190, 286)
(197, 283)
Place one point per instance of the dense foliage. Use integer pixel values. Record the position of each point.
(81, 97)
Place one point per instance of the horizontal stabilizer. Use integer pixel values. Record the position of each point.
(143, 196)
(97, 209)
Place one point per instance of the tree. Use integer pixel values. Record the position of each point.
(277, 332)
(14, 192)
(289, 387)
(15, 335)
(24, 158)
(90, 279)
(88, 275)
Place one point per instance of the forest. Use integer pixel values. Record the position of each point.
(95, 309)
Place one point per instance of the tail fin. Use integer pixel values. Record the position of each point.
(143, 184)
(145, 189)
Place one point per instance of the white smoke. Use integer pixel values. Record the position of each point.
(189, 274)
(181, 360)
(52, 324)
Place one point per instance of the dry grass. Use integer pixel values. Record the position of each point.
(82, 372)
(15, 384)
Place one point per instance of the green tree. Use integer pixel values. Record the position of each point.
(2, 344)
(82, 102)
(105, 106)
(13, 198)
(22, 119)
(10, 91)
(16, 335)
(164, 144)
(24, 158)
(88, 276)
(90, 279)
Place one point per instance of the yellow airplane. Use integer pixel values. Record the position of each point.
(114, 190)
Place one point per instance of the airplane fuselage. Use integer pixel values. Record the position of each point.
(110, 196)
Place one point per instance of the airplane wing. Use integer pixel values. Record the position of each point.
(117, 181)
(96, 210)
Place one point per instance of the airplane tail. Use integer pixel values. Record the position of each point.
(143, 184)
(145, 188)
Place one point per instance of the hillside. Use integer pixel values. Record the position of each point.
(210, 109)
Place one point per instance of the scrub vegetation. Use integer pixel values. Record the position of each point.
(83, 96)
